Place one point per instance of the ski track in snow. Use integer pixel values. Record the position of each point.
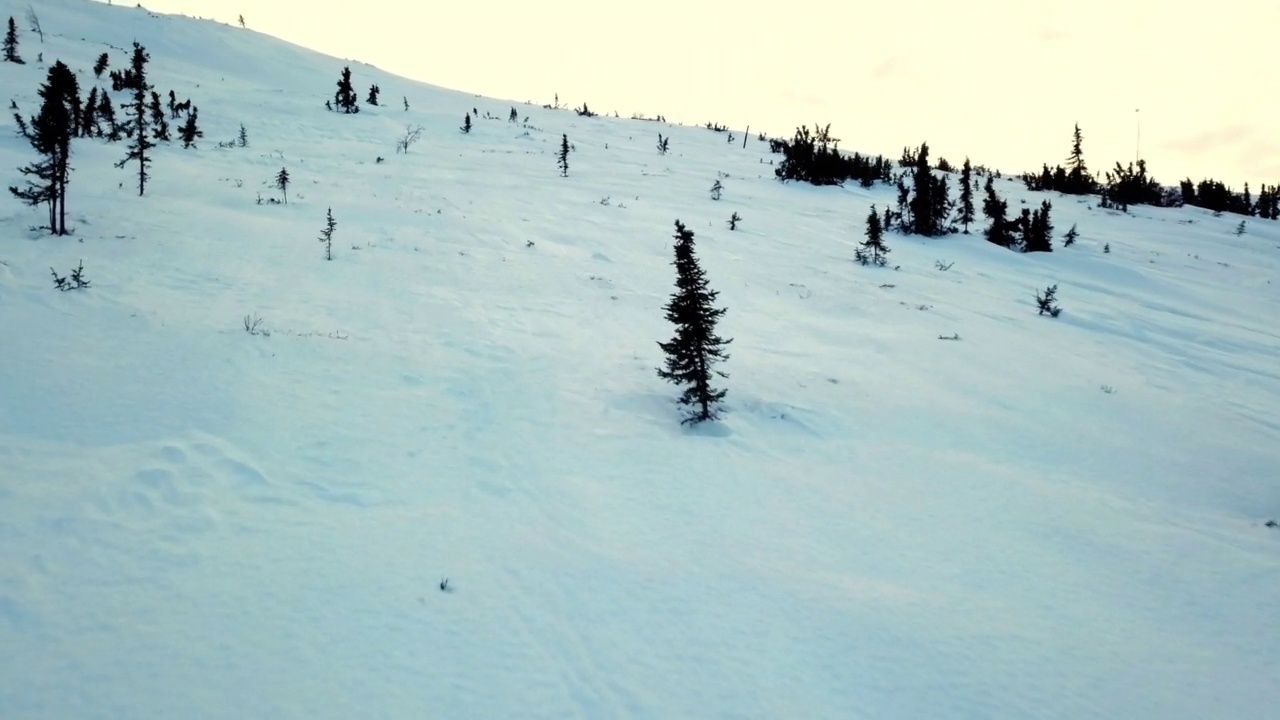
(197, 522)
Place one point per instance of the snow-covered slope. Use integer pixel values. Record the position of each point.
(1049, 518)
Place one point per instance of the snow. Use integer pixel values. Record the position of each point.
(198, 522)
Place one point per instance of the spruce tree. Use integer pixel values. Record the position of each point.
(11, 44)
(345, 98)
(1079, 182)
(326, 235)
(107, 112)
(1039, 233)
(135, 79)
(190, 131)
(282, 184)
(966, 195)
(50, 135)
(89, 116)
(466, 124)
(159, 124)
(873, 249)
(563, 158)
(922, 204)
(101, 64)
(373, 95)
(695, 348)
(995, 209)
(1070, 238)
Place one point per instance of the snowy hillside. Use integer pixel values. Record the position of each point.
(1048, 518)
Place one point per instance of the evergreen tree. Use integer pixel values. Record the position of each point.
(716, 189)
(89, 116)
(50, 135)
(966, 195)
(373, 95)
(563, 159)
(1078, 179)
(941, 210)
(1247, 201)
(174, 113)
(11, 44)
(282, 184)
(1039, 234)
(1070, 238)
(159, 125)
(873, 249)
(107, 112)
(135, 79)
(190, 131)
(996, 209)
(695, 348)
(326, 235)
(466, 123)
(100, 65)
(345, 98)
(922, 204)
(242, 140)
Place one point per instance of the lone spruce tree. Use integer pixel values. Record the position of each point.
(563, 157)
(345, 98)
(695, 348)
(11, 44)
(135, 79)
(50, 135)
(873, 250)
(282, 183)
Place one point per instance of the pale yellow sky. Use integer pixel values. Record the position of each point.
(1002, 81)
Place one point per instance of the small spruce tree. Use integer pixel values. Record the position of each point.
(1070, 238)
(159, 124)
(11, 44)
(100, 65)
(345, 98)
(373, 94)
(242, 140)
(135, 79)
(107, 112)
(190, 130)
(1048, 302)
(466, 123)
(563, 157)
(326, 235)
(873, 250)
(716, 189)
(89, 116)
(282, 184)
(695, 348)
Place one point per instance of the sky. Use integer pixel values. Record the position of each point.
(1000, 81)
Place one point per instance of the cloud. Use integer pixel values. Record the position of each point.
(1050, 34)
(890, 68)
(1232, 153)
(1217, 141)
